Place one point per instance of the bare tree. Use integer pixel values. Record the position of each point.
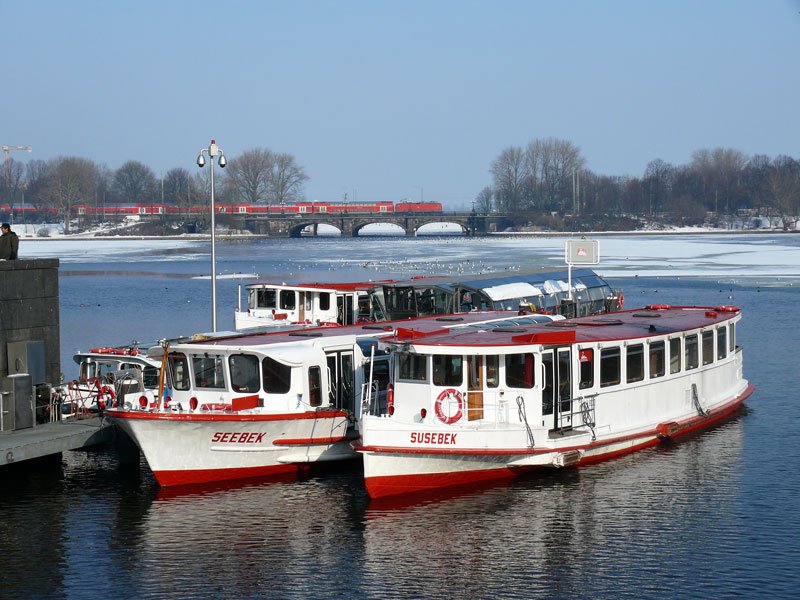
(657, 184)
(250, 174)
(176, 187)
(484, 201)
(135, 182)
(510, 174)
(784, 186)
(286, 179)
(36, 180)
(13, 181)
(551, 165)
(70, 180)
(720, 171)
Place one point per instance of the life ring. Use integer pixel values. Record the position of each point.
(449, 395)
(106, 397)
(621, 300)
(726, 308)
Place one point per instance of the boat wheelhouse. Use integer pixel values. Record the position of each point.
(583, 292)
(258, 404)
(478, 403)
(106, 374)
(270, 304)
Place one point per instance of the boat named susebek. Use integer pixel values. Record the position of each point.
(478, 404)
(249, 405)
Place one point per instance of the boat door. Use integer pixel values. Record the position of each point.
(557, 388)
(301, 305)
(341, 375)
(344, 309)
(475, 378)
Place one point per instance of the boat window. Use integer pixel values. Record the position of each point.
(314, 386)
(208, 372)
(179, 368)
(657, 359)
(519, 370)
(412, 367)
(634, 363)
(266, 299)
(732, 338)
(690, 351)
(722, 343)
(244, 372)
(324, 301)
(708, 347)
(364, 308)
(150, 377)
(675, 355)
(609, 366)
(288, 300)
(277, 376)
(586, 360)
(492, 371)
(448, 370)
(87, 370)
(380, 373)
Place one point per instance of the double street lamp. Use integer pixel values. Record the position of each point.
(213, 151)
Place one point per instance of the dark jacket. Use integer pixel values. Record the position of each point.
(9, 245)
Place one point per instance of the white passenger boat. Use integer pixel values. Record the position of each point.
(473, 405)
(106, 374)
(577, 293)
(260, 404)
(331, 304)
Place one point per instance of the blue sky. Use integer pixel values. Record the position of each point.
(390, 100)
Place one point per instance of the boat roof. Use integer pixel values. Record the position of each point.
(487, 282)
(352, 286)
(429, 325)
(653, 320)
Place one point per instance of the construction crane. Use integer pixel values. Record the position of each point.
(9, 149)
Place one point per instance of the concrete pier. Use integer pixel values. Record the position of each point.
(53, 438)
(30, 349)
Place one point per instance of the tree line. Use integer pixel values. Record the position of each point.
(548, 180)
(256, 176)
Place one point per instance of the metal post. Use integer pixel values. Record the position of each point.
(213, 251)
(213, 151)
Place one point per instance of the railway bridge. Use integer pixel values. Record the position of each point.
(293, 225)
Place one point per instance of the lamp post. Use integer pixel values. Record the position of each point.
(213, 151)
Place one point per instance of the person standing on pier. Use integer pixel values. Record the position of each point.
(9, 243)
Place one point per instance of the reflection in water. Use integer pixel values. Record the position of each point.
(595, 531)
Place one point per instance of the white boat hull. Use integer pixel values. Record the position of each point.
(477, 455)
(190, 448)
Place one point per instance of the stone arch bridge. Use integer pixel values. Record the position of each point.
(292, 225)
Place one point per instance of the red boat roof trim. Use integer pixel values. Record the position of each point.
(622, 325)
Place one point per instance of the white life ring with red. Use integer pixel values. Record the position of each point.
(105, 393)
(450, 396)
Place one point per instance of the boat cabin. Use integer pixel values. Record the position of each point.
(312, 304)
(539, 291)
(554, 377)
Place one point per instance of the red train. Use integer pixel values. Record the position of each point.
(122, 210)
